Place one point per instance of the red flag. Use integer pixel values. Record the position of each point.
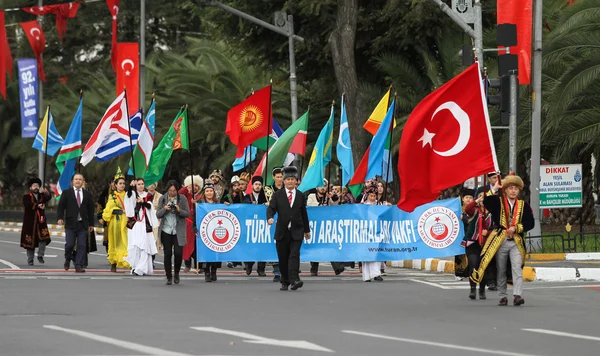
(247, 121)
(128, 74)
(570, 2)
(447, 139)
(5, 57)
(519, 12)
(62, 12)
(36, 38)
(113, 7)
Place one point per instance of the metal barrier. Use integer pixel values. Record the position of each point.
(545, 244)
(564, 243)
(589, 241)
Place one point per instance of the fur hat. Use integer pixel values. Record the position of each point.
(467, 191)
(512, 179)
(257, 179)
(235, 179)
(208, 184)
(290, 172)
(187, 182)
(33, 181)
(245, 176)
(218, 173)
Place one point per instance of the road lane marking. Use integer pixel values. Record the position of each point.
(430, 284)
(560, 333)
(9, 264)
(116, 342)
(255, 339)
(437, 344)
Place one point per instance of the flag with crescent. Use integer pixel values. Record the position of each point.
(5, 57)
(446, 140)
(249, 120)
(344, 147)
(371, 165)
(113, 7)
(36, 38)
(128, 73)
(320, 157)
(62, 12)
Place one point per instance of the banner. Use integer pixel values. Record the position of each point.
(28, 93)
(353, 232)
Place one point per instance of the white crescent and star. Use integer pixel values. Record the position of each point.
(116, 10)
(127, 61)
(343, 127)
(464, 135)
(32, 32)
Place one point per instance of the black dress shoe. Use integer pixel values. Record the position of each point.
(41, 260)
(176, 279)
(229, 265)
(339, 271)
(518, 301)
(284, 286)
(482, 293)
(296, 285)
(169, 281)
(207, 277)
(79, 270)
(503, 302)
(213, 276)
(30, 263)
(276, 278)
(314, 274)
(472, 294)
(261, 274)
(378, 279)
(248, 270)
(67, 265)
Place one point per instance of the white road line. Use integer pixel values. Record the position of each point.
(119, 343)
(437, 344)
(430, 284)
(560, 333)
(9, 264)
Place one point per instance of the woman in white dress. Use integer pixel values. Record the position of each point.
(141, 220)
(371, 270)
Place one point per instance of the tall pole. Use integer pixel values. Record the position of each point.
(142, 52)
(478, 32)
(512, 123)
(41, 163)
(387, 176)
(43, 177)
(268, 133)
(293, 92)
(536, 119)
(130, 140)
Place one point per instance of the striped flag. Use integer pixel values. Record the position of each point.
(145, 143)
(70, 151)
(48, 140)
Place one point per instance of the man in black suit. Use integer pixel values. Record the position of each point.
(292, 225)
(76, 212)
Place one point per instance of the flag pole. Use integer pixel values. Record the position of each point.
(302, 160)
(46, 147)
(79, 158)
(382, 164)
(387, 178)
(189, 137)
(268, 134)
(129, 128)
(329, 165)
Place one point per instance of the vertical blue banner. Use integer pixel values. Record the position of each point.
(28, 93)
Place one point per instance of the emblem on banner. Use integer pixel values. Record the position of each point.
(438, 227)
(220, 230)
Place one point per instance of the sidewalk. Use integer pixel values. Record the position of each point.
(555, 267)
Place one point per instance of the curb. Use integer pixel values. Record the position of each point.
(429, 264)
(580, 256)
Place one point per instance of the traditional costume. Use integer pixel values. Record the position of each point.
(190, 237)
(100, 205)
(220, 186)
(371, 270)
(235, 197)
(256, 198)
(210, 268)
(115, 217)
(478, 229)
(34, 231)
(506, 214)
(141, 222)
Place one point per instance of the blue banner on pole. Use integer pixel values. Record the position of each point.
(344, 233)
(28, 93)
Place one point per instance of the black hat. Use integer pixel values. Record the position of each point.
(257, 179)
(276, 171)
(290, 172)
(467, 191)
(208, 184)
(33, 181)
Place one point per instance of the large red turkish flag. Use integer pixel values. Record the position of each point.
(5, 57)
(128, 74)
(446, 140)
(36, 38)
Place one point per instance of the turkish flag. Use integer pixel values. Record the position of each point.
(446, 140)
(128, 74)
(5, 57)
(520, 13)
(113, 7)
(247, 121)
(62, 12)
(36, 38)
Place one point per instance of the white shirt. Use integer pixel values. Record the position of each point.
(79, 191)
(287, 194)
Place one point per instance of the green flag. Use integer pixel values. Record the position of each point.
(176, 138)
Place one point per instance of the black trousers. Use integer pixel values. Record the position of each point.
(79, 235)
(473, 258)
(337, 266)
(170, 245)
(260, 266)
(288, 252)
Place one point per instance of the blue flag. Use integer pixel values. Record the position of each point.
(249, 156)
(377, 149)
(344, 148)
(48, 140)
(117, 141)
(70, 151)
(320, 157)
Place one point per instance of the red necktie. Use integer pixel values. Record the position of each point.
(290, 197)
(78, 198)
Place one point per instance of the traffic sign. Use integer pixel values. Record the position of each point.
(560, 186)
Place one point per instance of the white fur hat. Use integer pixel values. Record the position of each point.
(197, 181)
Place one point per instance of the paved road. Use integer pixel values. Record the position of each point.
(410, 313)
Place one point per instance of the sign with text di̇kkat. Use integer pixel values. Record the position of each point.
(560, 186)
(28, 94)
(352, 232)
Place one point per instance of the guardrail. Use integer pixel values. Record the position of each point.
(564, 243)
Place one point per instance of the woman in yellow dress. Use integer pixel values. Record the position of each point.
(114, 216)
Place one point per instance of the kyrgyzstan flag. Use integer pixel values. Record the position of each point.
(36, 38)
(128, 74)
(249, 120)
(446, 140)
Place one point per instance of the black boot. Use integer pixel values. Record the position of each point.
(213, 274)
(207, 277)
(482, 292)
(472, 293)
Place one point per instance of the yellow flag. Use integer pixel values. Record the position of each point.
(376, 118)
